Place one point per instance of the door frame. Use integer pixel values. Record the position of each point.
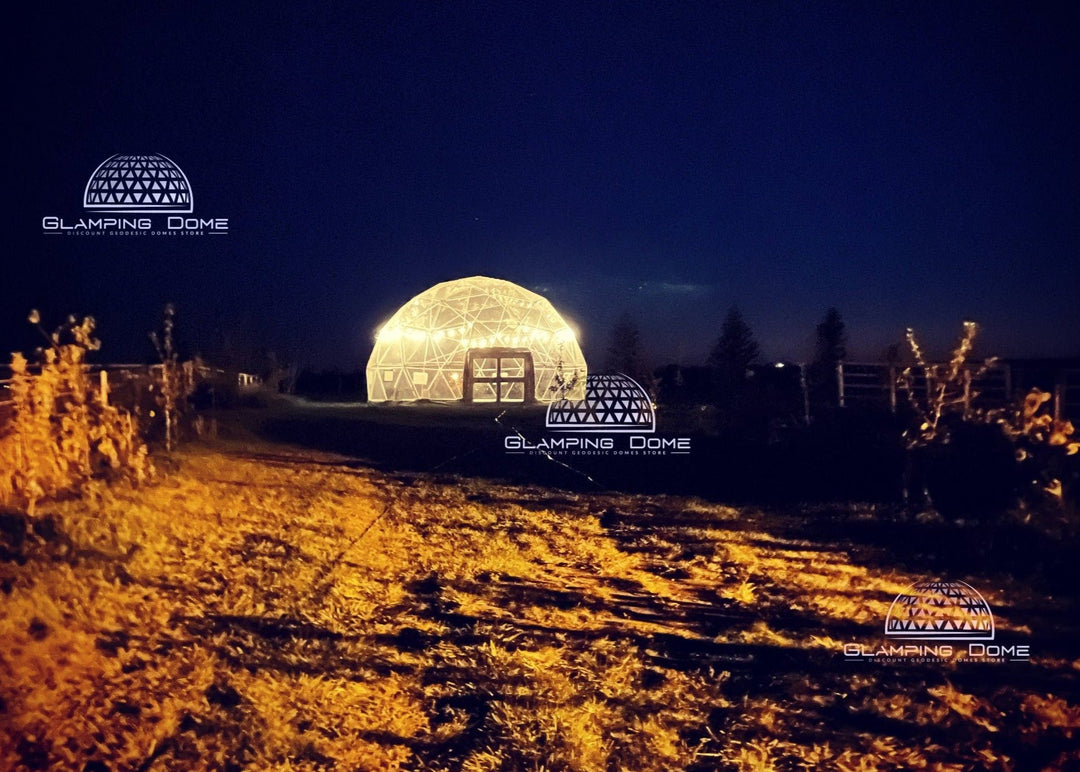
(499, 353)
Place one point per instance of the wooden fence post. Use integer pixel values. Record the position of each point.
(840, 382)
(805, 393)
(103, 387)
(892, 389)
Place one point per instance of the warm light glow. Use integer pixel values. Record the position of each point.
(387, 334)
(434, 332)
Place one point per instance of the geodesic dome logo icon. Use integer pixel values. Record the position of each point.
(943, 611)
(613, 403)
(138, 184)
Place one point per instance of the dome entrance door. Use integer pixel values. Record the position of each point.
(496, 375)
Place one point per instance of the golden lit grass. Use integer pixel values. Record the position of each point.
(283, 610)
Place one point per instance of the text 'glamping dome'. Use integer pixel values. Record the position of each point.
(138, 183)
(948, 611)
(479, 340)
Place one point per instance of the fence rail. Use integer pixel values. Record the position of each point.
(875, 383)
(112, 378)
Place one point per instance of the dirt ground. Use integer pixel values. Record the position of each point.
(260, 606)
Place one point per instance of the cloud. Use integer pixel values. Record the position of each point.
(673, 288)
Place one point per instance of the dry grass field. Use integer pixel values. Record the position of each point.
(261, 607)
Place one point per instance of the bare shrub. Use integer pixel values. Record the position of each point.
(948, 391)
(563, 385)
(175, 380)
(1046, 447)
(973, 462)
(61, 436)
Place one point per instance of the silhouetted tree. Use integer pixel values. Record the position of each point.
(831, 339)
(829, 351)
(736, 348)
(683, 384)
(276, 374)
(892, 354)
(624, 352)
(732, 356)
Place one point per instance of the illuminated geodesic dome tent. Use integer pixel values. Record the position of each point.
(477, 340)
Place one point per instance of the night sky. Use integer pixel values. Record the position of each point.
(912, 165)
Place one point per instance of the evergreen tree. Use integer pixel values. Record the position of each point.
(829, 351)
(624, 351)
(831, 339)
(736, 348)
(733, 353)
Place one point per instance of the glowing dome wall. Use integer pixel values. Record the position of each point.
(479, 340)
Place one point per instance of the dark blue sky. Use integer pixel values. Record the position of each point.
(912, 165)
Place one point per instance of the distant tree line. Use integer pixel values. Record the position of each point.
(741, 389)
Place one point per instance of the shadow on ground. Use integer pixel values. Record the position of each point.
(818, 696)
(473, 441)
